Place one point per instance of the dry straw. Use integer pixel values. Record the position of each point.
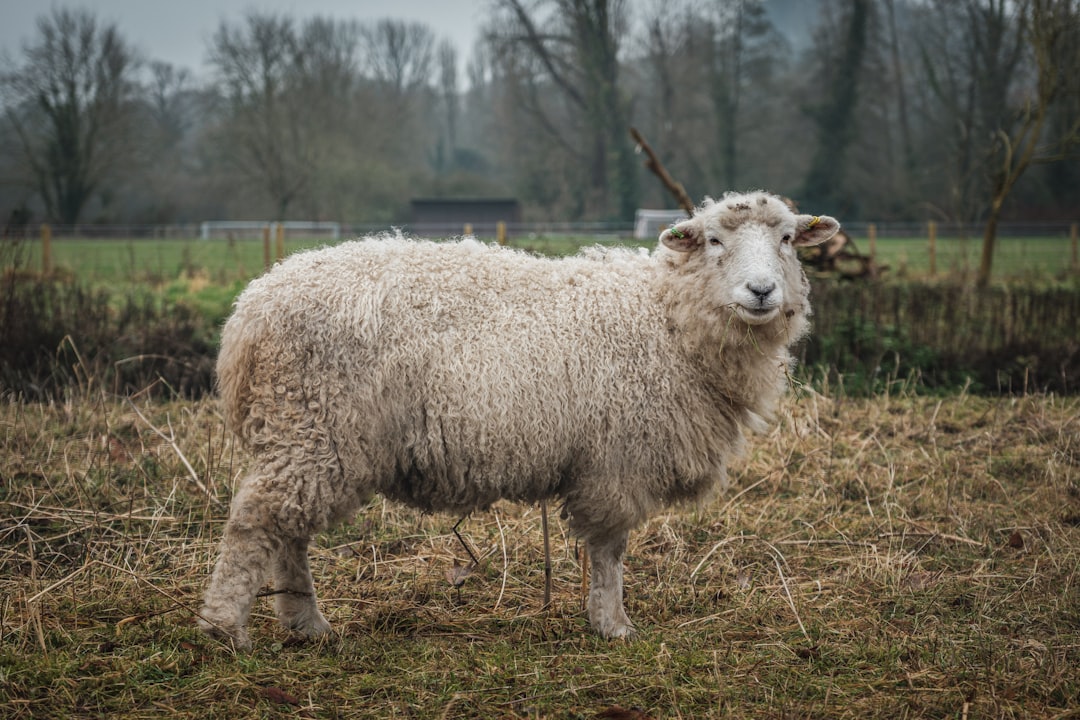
(897, 556)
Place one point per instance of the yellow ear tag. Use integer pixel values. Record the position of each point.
(816, 219)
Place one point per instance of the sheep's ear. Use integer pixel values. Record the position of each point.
(814, 229)
(682, 237)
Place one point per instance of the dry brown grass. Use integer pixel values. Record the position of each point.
(890, 557)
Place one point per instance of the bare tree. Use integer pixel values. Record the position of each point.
(399, 68)
(1051, 32)
(164, 96)
(165, 179)
(835, 115)
(326, 67)
(262, 132)
(70, 104)
(676, 43)
(573, 47)
(903, 116)
(286, 90)
(400, 55)
(448, 98)
(971, 55)
(739, 56)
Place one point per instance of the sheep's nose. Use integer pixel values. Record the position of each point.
(761, 290)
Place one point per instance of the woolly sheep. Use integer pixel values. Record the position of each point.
(451, 375)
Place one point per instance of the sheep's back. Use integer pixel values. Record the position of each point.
(454, 373)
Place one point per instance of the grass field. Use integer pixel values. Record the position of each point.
(896, 556)
(219, 261)
(884, 558)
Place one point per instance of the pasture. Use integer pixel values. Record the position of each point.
(140, 311)
(157, 260)
(892, 555)
(897, 556)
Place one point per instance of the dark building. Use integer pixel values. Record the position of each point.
(448, 216)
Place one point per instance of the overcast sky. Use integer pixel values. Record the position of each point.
(177, 31)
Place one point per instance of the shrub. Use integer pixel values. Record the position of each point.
(55, 333)
(1003, 339)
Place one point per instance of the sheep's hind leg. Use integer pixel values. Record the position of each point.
(250, 544)
(242, 566)
(294, 600)
(606, 613)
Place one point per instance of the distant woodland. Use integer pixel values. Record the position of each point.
(956, 110)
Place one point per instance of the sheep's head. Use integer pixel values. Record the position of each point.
(742, 251)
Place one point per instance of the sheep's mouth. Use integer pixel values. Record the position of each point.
(757, 315)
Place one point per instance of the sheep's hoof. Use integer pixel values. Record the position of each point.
(309, 624)
(228, 633)
(620, 632)
(614, 628)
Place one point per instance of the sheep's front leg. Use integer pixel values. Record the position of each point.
(606, 613)
(295, 599)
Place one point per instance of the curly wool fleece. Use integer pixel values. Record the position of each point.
(451, 375)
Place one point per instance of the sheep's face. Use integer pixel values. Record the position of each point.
(745, 247)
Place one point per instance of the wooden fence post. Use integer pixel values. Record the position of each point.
(931, 228)
(1074, 240)
(500, 232)
(266, 247)
(871, 236)
(46, 249)
(280, 248)
(467, 230)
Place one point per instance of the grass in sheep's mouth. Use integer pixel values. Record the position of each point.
(898, 556)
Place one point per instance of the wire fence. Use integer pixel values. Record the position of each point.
(242, 250)
(223, 230)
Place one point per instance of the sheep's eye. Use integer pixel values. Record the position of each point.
(786, 239)
(715, 241)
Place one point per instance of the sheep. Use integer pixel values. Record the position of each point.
(451, 375)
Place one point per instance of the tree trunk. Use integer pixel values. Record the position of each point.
(835, 119)
(986, 261)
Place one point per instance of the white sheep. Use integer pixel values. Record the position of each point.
(451, 375)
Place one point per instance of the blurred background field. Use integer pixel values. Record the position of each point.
(1044, 256)
(138, 312)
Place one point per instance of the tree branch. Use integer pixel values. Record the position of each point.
(658, 169)
(536, 42)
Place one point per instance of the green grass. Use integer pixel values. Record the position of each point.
(1015, 258)
(880, 558)
(159, 260)
(871, 333)
(221, 262)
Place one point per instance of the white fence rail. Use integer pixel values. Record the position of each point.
(255, 228)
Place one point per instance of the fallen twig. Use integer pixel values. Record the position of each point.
(506, 562)
(547, 554)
